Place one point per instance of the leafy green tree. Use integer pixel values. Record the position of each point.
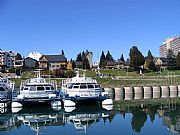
(102, 63)
(69, 73)
(170, 54)
(122, 58)
(109, 57)
(136, 58)
(178, 61)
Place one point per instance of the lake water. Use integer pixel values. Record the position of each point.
(141, 117)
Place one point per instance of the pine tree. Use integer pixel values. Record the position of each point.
(102, 63)
(79, 57)
(149, 62)
(136, 58)
(73, 63)
(178, 61)
(122, 58)
(171, 59)
(109, 57)
(85, 61)
(62, 52)
(149, 56)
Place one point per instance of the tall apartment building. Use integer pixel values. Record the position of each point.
(172, 44)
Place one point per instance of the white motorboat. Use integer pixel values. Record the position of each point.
(6, 88)
(37, 91)
(83, 89)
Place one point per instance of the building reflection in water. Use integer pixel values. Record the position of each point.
(82, 118)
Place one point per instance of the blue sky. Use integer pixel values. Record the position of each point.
(47, 26)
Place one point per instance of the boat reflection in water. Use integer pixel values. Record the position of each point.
(127, 117)
(81, 118)
(38, 119)
(85, 117)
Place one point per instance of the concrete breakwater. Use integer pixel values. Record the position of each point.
(146, 92)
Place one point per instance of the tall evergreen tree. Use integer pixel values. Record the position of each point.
(102, 63)
(87, 52)
(171, 59)
(178, 61)
(122, 58)
(151, 65)
(73, 63)
(85, 61)
(149, 56)
(149, 62)
(79, 57)
(109, 57)
(136, 58)
(62, 52)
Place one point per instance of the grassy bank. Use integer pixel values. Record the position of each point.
(116, 78)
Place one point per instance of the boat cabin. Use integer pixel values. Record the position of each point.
(83, 86)
(37, 88)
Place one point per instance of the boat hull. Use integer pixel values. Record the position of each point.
(36, 102)
(87, 100)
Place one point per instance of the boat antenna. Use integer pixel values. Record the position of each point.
(38, 73)
(77, 72)
(84, 73)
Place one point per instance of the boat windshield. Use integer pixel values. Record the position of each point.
(90, 86)
(38, 87)
(97, 86)
(83, 86)
(32, 88)
(70, 85)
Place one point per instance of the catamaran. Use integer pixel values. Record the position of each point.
(37, 91)
(83, 89)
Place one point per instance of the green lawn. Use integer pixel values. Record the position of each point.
(124, 78)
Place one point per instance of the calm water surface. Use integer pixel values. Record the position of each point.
(144, 117)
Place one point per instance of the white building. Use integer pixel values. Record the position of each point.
(35, 55)
(8, 59)
(173, 44)
(96, 64)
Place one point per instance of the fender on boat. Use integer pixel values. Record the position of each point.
(69, 103)
(107, 102)
(16, 105)
(69, 109)
(108, 107)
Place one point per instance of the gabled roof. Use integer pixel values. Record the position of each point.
(54, 58)
(163, 59)
(30, 59)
